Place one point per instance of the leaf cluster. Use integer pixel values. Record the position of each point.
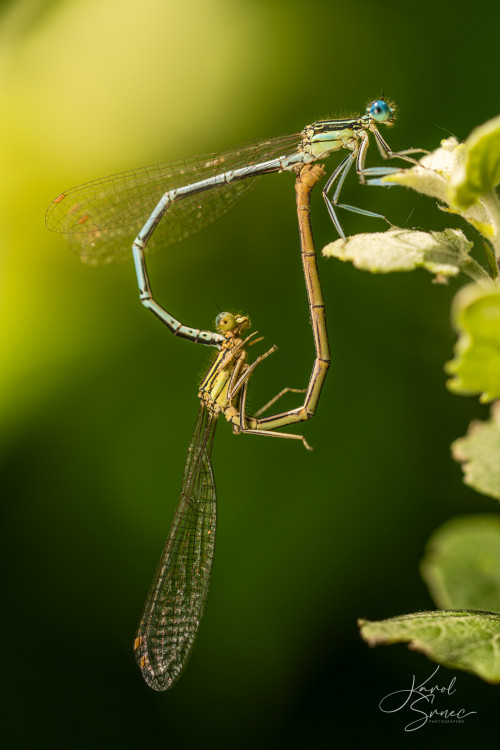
(461, 565)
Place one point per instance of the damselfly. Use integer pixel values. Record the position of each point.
(177, 596)
(166, 203)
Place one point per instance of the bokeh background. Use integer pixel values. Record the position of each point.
(97, 399)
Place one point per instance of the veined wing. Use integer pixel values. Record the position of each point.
(177, 598)
(102, 218)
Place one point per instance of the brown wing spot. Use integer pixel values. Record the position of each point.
(59, 198)
(83, 219)
(137, 642)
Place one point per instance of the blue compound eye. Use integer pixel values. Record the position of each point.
(380, 111)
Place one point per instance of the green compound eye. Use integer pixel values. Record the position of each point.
(380, 111)
(225, 322)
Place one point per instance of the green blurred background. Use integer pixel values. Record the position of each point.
(98, 400)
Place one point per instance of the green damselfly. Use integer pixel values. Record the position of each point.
(177, 597)
(165, 203)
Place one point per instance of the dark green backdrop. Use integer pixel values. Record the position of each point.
(98, 399)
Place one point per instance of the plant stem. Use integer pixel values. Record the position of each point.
(475, 271)
(492, 205)
(492, 261)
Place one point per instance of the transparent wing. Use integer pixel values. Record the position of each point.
(102, 218)
(177, 598)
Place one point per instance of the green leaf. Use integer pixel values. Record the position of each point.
(441, 253)
(479, 172)
(434, 172)
(435, 175)
(456, 639)
(479, 453)
(476, 365)
(461, 566)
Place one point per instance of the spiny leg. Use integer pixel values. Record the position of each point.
(240, 420)
(235, 352)
(342, 170)
(239, 365)
(377, 173)
(278, 396)
(360, 171)
(233, 390)
(257, 431)
(386, 151)
(340, 174)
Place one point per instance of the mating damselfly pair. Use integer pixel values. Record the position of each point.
(163, 204)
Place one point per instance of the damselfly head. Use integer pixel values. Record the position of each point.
(226, 322)
(382, 110)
